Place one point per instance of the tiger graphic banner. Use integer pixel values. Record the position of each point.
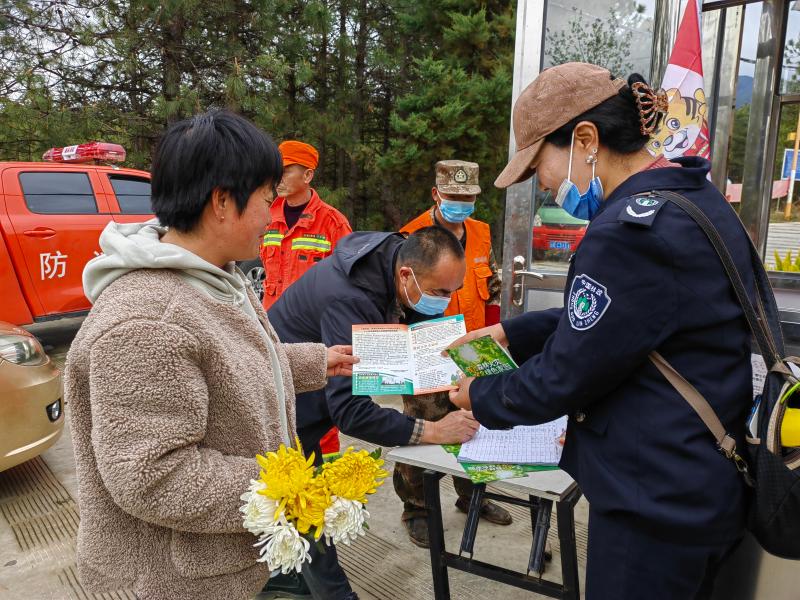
(684, 129)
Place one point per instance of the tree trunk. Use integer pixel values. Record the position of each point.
(171, 48)
(341, 71)
(359, 102)
(291, 102)
(323, 89)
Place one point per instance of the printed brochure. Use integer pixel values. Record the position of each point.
(406, 359)
(482, 356)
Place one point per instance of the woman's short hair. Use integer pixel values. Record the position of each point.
(214, 150)
(617, 119)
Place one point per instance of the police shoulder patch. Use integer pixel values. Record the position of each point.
(641, 210)
(588, 302)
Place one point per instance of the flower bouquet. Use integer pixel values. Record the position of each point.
(293, 503)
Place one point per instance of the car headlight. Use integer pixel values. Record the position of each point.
(22, 350)
(537, 221)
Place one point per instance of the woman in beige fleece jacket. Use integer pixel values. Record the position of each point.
(176, 379)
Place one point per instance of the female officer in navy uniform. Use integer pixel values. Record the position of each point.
(665, 505)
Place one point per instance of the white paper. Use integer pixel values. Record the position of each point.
(522, 445)
(402, 359)
(759, 373)
(385, 360)
(432, 371)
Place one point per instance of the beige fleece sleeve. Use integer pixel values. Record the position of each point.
(309, 364)
(149, 406)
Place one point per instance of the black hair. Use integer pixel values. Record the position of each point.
(217, 149)
(617, 120)
(425, 247)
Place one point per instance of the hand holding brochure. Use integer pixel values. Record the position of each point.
(405, 359)
(522, 445)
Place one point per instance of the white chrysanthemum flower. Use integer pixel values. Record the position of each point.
(283, 548)
(258, 510)
(344, 520)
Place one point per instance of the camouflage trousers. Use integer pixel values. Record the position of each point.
(407, 479)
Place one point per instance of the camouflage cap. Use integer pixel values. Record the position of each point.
(457, 177)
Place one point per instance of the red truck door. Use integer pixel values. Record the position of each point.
(56, 215)
(128, 193)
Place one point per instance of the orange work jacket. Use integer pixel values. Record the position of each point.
(288, 253)
(471, 299)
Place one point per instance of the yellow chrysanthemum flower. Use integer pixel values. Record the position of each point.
(290, 481)
(309, 508)
(287, 475)
(354, 475)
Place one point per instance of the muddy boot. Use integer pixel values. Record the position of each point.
(489, 511)
(417, 528)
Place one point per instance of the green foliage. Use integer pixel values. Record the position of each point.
(601, 42)
(787, 263)
(382, 89)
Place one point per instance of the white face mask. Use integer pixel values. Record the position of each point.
(427, 304)
(581, 206)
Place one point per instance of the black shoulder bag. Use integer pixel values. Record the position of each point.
(770, 469)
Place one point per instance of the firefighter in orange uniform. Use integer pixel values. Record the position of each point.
(454, 196)
(303, 231)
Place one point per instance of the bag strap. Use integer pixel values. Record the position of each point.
(762, 320)
(725, 442)
(695, 399)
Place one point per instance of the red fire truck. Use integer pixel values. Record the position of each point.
(51, 216)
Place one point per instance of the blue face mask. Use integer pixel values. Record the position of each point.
(455, 211)
(427, 304)
(581, 206)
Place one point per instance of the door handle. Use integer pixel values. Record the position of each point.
(40, 232)
(519, 273)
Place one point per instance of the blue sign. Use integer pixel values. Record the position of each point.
(787, 165)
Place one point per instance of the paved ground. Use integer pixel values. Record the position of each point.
(39, 517)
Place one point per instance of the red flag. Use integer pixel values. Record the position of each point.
(684, 129)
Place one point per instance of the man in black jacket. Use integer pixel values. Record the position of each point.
(370, 278)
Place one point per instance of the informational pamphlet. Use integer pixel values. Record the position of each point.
(406, 359)
(482, 356)
(487, 472)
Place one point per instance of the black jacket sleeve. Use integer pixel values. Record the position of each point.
(359, 416)
(528, 332)
(621, 305)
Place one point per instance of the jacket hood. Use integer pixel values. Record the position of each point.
(130, 246)
(357, 246)
(367, 259)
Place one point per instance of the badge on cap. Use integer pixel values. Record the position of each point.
(588, 302)
(460, 176)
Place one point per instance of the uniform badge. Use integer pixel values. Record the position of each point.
(641, 210)
(588, 302)
(460, 176)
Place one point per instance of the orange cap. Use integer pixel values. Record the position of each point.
(299, 153)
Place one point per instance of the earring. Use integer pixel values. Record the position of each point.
(592, 158)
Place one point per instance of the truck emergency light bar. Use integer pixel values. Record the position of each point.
(82, 153)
